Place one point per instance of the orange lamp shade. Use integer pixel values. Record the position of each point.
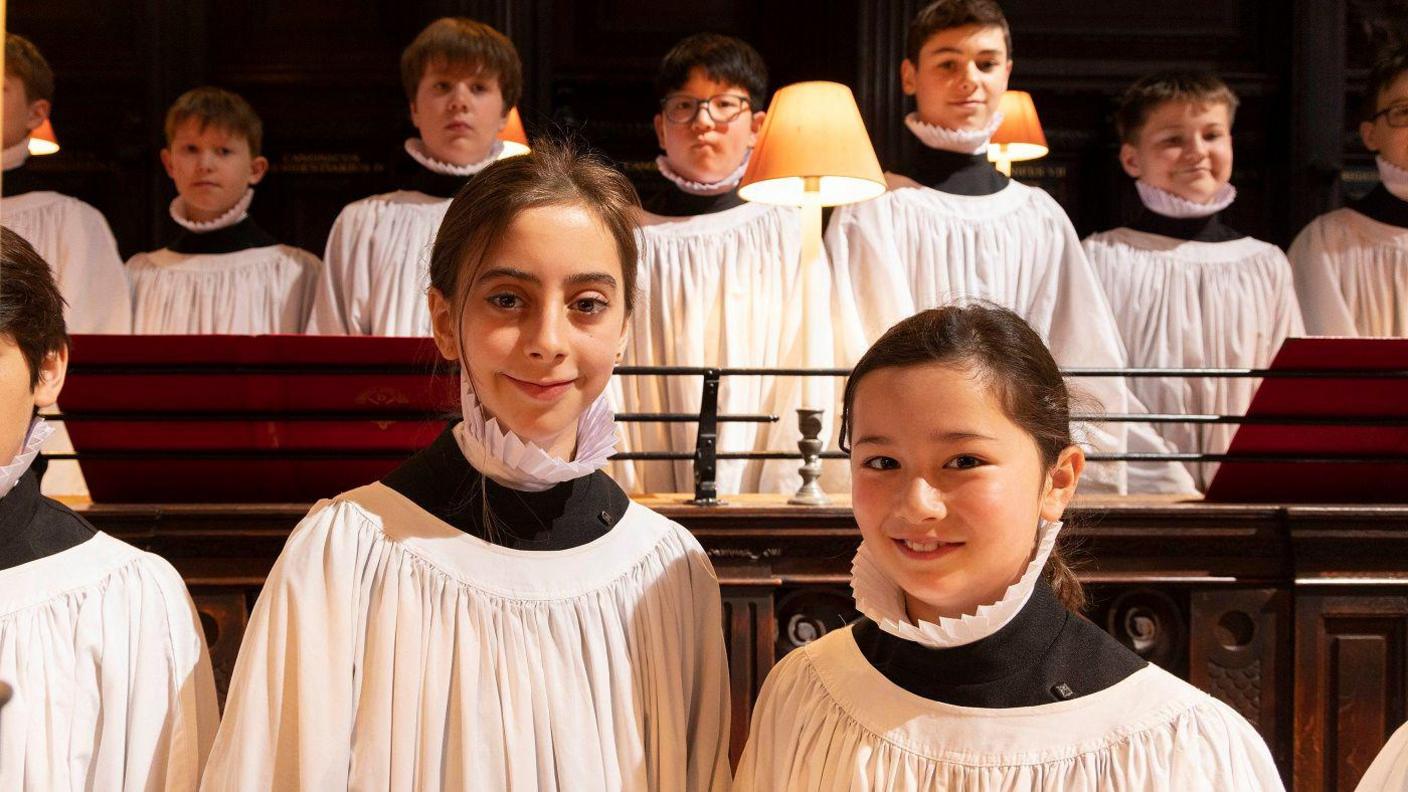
(514, 137)
(42, 140)
(1020, 136)
(813, 149)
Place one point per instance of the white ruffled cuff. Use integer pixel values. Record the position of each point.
(959, 141)
(880, 598)
(416, 148)
(507, 459)
(236, 214)
(10, 474)
(719, 187)
(1163, 202)
(16, 155)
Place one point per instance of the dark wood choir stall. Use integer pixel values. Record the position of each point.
(1297, 616)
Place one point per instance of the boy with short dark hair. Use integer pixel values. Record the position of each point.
(68, 233)
(1187, 290)
(956, 228)
(222, 273)
(99, 640)
(461, 78)
(1351, 265)
(718, 278)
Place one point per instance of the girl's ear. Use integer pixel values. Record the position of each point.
(444, 325)
(1061, 482)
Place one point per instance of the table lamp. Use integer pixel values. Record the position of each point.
(514, 137)
(1020, 136)
(42, 140)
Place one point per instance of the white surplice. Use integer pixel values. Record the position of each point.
(1351, 273)
(915, 248)
(826, 720)
(112, 682)
(258, 290)
(725, 290)
(1192, 304)
(392, 651)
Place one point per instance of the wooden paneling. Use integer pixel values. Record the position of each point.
(1351, 653)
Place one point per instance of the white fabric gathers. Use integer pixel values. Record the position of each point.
(1393, 178)
(113, 687)
(391, 651)
(724, 289)
(1351, 274)
(376, 269)
(961, 141)
(1182, 304)
(257, 290)
(75, 240)
(827, 720)
(915, 248)
(1389, 772)
(1169, 205)
(233, 215)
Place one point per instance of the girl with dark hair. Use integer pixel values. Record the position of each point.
(496, 613)
(972, 669)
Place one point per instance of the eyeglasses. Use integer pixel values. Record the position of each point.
(1397, 115)
(722, 108)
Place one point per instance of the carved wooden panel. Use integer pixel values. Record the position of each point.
(1352, 671)
(1240, 644)
(224, 612)
(748, 628)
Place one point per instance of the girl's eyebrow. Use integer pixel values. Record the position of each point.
(874, 440)
(602, 278)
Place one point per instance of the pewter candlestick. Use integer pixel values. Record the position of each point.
(810, 494)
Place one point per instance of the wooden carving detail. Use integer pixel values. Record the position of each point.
(223, 615)
(804, 615)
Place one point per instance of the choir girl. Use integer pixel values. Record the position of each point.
(971, 667)
(496, 613)
(1351, 265)
(461, 78)
(1187, 290)
(222, 273)
(956, 227)
(68, 233)
(99, 640)
(719, 278)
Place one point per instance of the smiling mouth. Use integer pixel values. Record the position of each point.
(542, 391)
(925, 551)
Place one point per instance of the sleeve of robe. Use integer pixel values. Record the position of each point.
(339, 302)
(91, 275)
(1389, 772)
(708, 692)
(288, 717)
(1322, 302)
(869, 283)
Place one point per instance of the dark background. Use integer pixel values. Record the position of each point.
(324, 77)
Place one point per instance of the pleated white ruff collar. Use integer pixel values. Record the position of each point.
(15, 155)
(1160, 201)
(522, 465)
(881, 599)
(719, 187)
(416, 148)
(1394, 178)
(236, 214)
(10, 474)
(959, 141)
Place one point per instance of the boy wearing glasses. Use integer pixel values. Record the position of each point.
(719, 277)
(1350, 263)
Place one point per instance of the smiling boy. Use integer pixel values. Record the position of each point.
(1187, 290)
(955, 228)
(222, 273)
(1351, 265)
(461, 78)
(719, 277)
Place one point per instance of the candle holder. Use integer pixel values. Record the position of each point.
(810, 493)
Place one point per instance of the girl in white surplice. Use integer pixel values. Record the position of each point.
(495, 613)
(971, 669)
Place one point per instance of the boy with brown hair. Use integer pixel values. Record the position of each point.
(461, 79)
(70, 234)
(222, 273)
(955, 228)
(1351, 265)
(1187, 290)
(99, 640)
